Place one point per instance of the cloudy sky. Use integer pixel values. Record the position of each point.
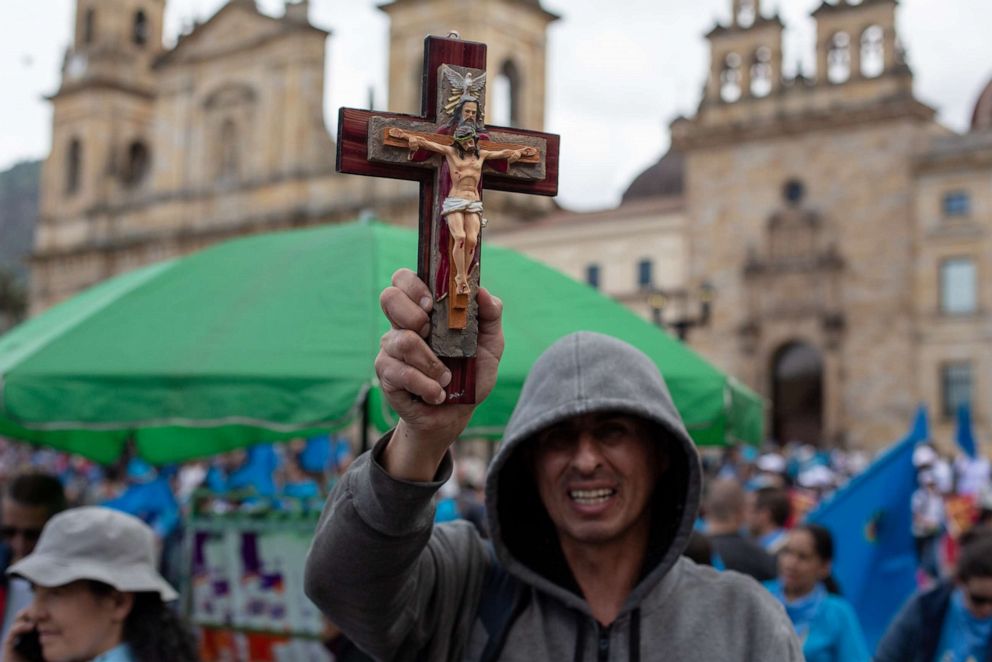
(618, 72)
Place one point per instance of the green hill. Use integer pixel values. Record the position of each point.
(18, 211)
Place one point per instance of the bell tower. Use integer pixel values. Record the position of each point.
(114, 40)
(746, 56)
(515, 32)
(101, 134)
(102, 123)
(856, 41)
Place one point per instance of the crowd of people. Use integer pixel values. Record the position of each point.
(89, 554)
(750, 521)
(952, 495)
(597, 526)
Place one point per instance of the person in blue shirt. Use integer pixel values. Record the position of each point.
(148, 497)
(825, 622)
(951, 622)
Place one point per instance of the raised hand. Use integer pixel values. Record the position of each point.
(412, 378)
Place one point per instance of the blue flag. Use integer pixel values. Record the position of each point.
(874, 555)
(964, 435)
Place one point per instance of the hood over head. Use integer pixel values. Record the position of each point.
(588, 373)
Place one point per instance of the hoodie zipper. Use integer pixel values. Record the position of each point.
(603, 639)
(603, 643)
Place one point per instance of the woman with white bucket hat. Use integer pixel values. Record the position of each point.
(97, 595)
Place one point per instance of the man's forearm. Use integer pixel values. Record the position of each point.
(409, 456)
(363, 569)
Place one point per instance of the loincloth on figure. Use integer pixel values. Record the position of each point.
(453, 204)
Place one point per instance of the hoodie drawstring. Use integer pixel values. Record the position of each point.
(580, 637)
(635, 636)
(497, 640)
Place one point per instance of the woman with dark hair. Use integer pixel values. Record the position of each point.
(824, 621)
(952, 622)
(97, 595)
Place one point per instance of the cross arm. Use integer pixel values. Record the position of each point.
(353, 147)
(442, 139)
(514, 138)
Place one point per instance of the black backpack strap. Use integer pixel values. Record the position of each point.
(500, 605)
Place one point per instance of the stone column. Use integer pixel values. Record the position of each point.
(822, 49)
(776, 68)
(747, 61)
(855, 55)
(889, 52)
(716, 68)
(833, 395)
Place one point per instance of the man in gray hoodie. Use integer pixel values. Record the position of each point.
(591, 500)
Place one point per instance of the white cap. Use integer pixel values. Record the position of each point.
(95, 543)
(923, 456)
(817, 476)
(772, 462)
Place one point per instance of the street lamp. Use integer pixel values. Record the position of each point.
(684, 300)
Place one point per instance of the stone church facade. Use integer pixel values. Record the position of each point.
(839, 236)
(846, 233)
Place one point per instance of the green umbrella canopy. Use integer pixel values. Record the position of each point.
(274, 336)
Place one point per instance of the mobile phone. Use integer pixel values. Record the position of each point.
(28, 646)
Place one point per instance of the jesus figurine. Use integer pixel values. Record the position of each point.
(462, 209)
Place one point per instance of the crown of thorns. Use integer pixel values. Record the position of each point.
(464, 133)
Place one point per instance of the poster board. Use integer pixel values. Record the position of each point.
(245, 588)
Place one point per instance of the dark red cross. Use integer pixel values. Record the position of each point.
(352, 158)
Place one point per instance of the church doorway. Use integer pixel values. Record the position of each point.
(797, 394)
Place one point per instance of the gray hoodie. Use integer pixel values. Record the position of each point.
(404, 589)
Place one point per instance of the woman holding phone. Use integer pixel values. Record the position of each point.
(97, 595)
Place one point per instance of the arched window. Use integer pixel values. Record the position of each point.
(730, 78)
(73, 166)
(89, 26)
(139, 34)
(746, 13)
(761, 72)
(872, 51)
(230, 112)
(227, 161)
(506, 95)
(137, 164)
(839, 58)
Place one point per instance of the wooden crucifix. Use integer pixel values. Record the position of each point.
(453, 155)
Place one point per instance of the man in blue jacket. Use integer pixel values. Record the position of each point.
(951, 622)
